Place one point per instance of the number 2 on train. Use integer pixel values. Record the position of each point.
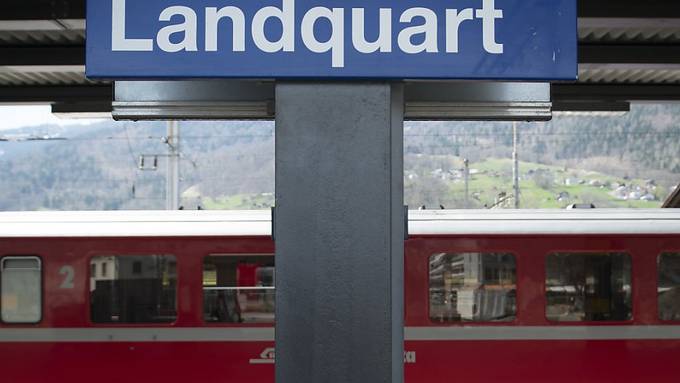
(69, 274)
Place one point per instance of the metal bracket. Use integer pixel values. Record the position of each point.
(253, 99)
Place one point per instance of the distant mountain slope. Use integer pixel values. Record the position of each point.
(231, 164)
(97, 168)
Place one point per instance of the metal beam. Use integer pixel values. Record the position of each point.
(339, 242)
(102, 108)
(479, 101)
(41, 9)
(52, 94)
(629, 8)
(614, 92)
(42, 55)
(629, 54)
(197, 99)
(591, 106)
(75, 9)
(563, 95)
(239, 99)
(588, 23)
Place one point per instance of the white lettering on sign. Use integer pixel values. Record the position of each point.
(336, 42)
(429, 29)
(418, 30)
(187, 28)
(453, 21)
(119, 41)
(384, 41)
(212, 20)
(489, 14)
(286, 16)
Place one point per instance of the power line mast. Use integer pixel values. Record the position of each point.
(466, 175)
(172, 179)
(173, 155)
(515, 164)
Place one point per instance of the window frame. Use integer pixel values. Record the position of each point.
(633, 305)
(657, 315)
(518, 289)
(202, 291)
(88, 293)
(41, 289)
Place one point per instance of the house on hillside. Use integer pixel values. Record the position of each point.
(563, 196)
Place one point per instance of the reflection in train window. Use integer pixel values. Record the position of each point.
(134, 289)
(588, 287)
(472, 287)
(238, 288)
(21, 288)
(668, 290)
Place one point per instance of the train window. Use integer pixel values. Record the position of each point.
(238, 289)
(668, 290)
(21, 288)
(133, 289)
(588, 287)
(477, 287)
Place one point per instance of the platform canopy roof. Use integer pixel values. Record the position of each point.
(629, 51)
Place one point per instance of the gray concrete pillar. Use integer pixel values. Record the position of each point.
(339, 232)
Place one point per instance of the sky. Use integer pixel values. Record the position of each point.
(19, 116)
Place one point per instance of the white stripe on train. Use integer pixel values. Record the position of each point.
(254, 334)
(147, 334)
(622, 332)
(204, 223)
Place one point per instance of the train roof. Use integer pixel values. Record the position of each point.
(258, 223)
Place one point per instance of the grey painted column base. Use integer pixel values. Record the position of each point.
(339, 232)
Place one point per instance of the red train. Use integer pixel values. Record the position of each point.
(512, 296)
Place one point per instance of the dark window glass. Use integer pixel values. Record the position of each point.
(21, 288)
(588, 287)
(669, 286)
(472, 287)
(238, 289)
(122, 295)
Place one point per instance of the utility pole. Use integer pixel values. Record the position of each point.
(466, 174)
(515, 164)
(172, 179)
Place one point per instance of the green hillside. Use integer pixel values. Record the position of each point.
(230, 165)
(541, 186)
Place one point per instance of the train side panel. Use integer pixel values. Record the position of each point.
(611, 361)
(115, 362)
(67, 346)
(531, 348)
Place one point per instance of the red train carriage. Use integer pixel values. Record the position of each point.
(531, 296)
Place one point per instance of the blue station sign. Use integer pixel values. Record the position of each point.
(386, 39)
